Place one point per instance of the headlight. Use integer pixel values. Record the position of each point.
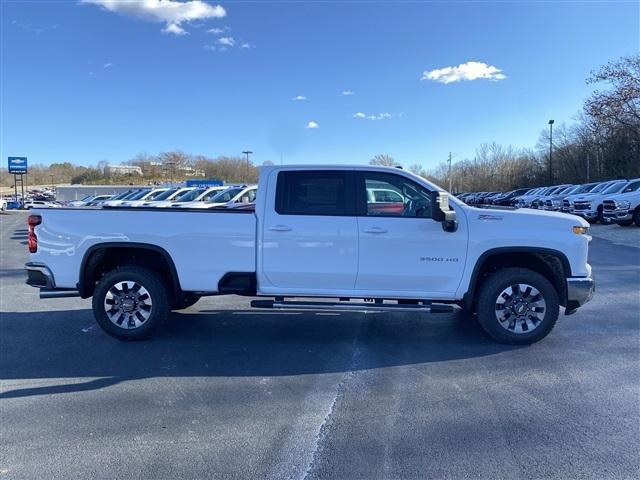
(581, 230)
(625, 205)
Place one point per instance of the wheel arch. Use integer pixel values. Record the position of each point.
(552, 264)
(105, 256)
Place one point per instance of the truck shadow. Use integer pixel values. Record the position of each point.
(226, 343)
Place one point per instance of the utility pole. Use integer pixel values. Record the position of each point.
(550, 151)
(449, 172)
(247, 153)
(588, 167)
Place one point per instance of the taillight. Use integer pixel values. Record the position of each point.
(33, 221)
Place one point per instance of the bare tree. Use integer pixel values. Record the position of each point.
(383, 159)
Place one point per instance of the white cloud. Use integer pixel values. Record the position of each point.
(299, 98)
(170, 12)
(217, 31)
(246, 45)
(464, 71)
(107, 65)
(228, 41)
(376, 116)
(312, 124)
(175, 29)
(348, 92)
(213, 48)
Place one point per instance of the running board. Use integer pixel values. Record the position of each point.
(59, 293)
(357, 307)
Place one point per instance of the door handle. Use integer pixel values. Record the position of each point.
(374, 230)
(279, 228)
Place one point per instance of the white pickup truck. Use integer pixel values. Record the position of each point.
(317, 233)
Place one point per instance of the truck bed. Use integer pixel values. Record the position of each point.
(203, 244)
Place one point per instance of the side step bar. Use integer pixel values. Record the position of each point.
(59, 293)
(358, 307)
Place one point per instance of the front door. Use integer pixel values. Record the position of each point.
(310, 239)
(403, 253)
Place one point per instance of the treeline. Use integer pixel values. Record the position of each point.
(603, 144)
(164, 167)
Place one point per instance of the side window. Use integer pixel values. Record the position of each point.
(312, 192)
(390, 195)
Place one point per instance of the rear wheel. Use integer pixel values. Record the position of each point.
(130, 302)
(517, 306)
(636, 217)
(626, 223)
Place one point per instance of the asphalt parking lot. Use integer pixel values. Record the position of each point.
(227, 392)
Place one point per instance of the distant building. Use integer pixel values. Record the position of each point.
(122, 170)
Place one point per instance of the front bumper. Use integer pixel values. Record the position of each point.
(580, 290)
(618, 215)
(586, 214)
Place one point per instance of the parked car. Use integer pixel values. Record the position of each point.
(133, 195)
(81, 202)
(506, 198)
(29, 204)
(312, 234)
(229, 196)
(3, 204)
(539, 200)
(147, 197)
(553, 202)
(98, 200)
(623, 208)
(567, 201)
(164, 198)
(589, 206)
(199, 195)
(524, 201)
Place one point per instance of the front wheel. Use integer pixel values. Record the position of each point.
(636, 217)
(517, 306)
(130, 302)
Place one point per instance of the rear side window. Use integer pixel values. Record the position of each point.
(313, 192)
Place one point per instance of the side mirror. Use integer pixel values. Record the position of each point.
(441, 212)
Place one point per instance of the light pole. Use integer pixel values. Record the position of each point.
(550, 150)
(247, 153)
(449, 172)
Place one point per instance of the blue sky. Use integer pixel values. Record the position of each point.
(83, 82)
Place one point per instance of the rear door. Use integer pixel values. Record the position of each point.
(310, 239)
(403, 252)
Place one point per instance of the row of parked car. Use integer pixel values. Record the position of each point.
(614, 201)
(229, 196)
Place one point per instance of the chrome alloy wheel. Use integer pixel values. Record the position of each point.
(128, 304)
(520, 308)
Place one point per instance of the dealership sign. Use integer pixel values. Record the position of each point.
(17, 164)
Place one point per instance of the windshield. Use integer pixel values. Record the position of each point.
(138, 195)
(166, 194)
(225, 195)
(152, 196)
(189, 195)
(615, 188)
(632, 187)
(585, 188)
(121, 195)
(600, 187)
(567, 190)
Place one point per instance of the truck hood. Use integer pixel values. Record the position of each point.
(527, 218)
(624, 196)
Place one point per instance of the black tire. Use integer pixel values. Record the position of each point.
(157, 291)
(636, 217)
(625, 224)
(186, 300)
(489, 294)
(600, 217)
